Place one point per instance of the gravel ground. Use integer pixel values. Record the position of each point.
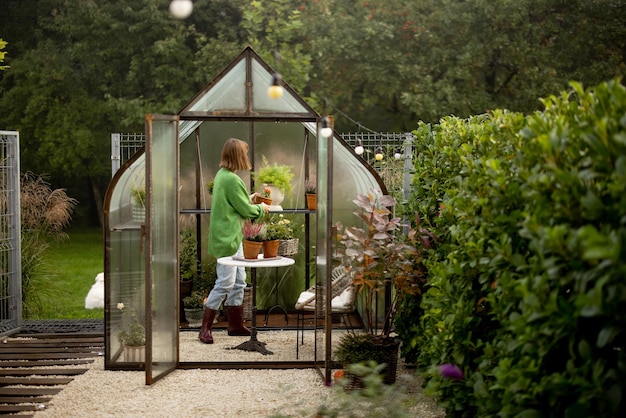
(212, 393)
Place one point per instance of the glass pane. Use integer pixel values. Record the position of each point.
(261, 80)
(126, 263)
(162, 170)
(229, 93)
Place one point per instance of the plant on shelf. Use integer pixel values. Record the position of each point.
(381, 254)
(310, 191)
(266, 192)
(279, 176)
(133, 333)
(310, 186)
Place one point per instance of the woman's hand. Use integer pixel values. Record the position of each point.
(266, 207)
(252, 196)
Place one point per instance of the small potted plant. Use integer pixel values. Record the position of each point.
(194, 308)
(253, 236)
(275, 177)
(264, 196)
(381, 255)
(310, 191)
(132, 336)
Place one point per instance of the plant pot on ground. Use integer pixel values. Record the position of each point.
(384, 261)
(194, 308)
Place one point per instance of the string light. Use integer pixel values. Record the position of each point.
(275, 91)
(181, 9)
(358, 149)
(398, 153)
(326, 130)
(379, 153)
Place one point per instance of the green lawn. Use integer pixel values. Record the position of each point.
(75, 262)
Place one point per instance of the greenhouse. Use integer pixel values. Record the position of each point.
(162, 193)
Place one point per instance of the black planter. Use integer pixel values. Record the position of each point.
(381, 350)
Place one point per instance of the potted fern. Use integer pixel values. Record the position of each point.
(275, 177)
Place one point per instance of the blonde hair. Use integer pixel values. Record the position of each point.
(235, 155)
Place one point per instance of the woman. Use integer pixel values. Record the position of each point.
(231, 206)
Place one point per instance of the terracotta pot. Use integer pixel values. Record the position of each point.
(251, 249)
(311, 201)
(261, 199)
(270, 248)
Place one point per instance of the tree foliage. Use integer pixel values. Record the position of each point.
(81, 70)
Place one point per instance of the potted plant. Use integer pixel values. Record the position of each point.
(281, 228)
(277, 229)
(384, 254)
(310, 192)
(264, 196)
(132, 336)
(194, 308)
(253, 236)
(209, 186)
(276, 177)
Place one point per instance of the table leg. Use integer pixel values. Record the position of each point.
(276, 305)
(253, 344)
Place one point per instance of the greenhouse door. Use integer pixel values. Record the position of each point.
(161, 245)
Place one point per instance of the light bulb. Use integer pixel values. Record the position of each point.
(379, 154)
(398, 153)
(181, 9)
(326, 130)
(359, 149)
(275, 91)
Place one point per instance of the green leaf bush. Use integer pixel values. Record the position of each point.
(528, 288)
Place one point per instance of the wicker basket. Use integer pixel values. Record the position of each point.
(288, 247)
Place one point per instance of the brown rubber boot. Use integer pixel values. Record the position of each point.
(235, 321)
(207, 324)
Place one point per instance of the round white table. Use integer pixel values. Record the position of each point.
(254, 344)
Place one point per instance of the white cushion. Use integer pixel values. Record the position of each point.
(339, 303)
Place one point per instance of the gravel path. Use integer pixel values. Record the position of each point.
(208, 393)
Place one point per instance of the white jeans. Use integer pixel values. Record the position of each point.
(229, 286)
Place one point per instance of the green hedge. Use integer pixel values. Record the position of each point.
(528, 288)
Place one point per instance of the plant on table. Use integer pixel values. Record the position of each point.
(278, 227)
(253, 231)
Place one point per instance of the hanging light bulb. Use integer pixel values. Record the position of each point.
(379, 153)
(275, 91)
(181, 9)
(326, 130)
(398, 153)
(358, 149)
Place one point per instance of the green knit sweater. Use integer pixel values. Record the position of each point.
(230, 207)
